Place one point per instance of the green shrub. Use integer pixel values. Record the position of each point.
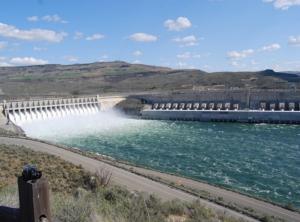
(174, 207)
(70, 209)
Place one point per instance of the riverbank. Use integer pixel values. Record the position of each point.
(133, 181)
(77, 195)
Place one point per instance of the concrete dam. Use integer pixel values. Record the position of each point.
(19, 112)
(22, 111)
(281, 112)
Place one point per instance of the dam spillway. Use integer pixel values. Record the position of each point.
(20, 112)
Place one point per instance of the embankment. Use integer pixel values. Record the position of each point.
(120, 176)
(140, 183)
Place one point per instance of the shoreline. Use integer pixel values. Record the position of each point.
(121, 177)
(216, 194)
(130, 166)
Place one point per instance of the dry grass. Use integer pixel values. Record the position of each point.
(62, 176)
(4, 132)
(78, 196)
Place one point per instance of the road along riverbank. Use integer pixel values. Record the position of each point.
(136, 180)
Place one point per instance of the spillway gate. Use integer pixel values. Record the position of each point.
(19, 112)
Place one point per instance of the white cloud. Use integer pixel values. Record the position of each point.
(95, 36)
(136, 62)
(253, 62)
(104, 58)
(27, 61)
(143, 37)
(270, 48)
(185, 55)
(78, 35)
(3, 62)
(137, 53)
(48, 18)
(182, 65)
(53, 18)
(189, 40)
(71, 58)
(283, 4)
(33, 18)
(39, 49)
(3, 45)
(234, 63)
(10, 31)
(177, 25)
(188, 55)
(294, 40)
(240, 55)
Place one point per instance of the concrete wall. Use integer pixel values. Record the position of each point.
(225, 116)
(110, 102)
(246, 98)
(2, 116)
(48, 103)
(104, 103)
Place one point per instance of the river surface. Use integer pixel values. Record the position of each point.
(261, 160)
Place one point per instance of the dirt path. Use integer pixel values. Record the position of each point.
(139, 183)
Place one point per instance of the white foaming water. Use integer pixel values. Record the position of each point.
(26, 116)
(59, 128)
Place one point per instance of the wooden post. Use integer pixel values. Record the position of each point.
(34, 200)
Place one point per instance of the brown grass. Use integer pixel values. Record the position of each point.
(62, 176)
(78, 196)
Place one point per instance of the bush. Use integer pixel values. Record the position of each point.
(198, 212)
(9, 196)
(174, 207)
(71, 209)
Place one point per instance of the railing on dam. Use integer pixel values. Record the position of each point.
(266, 112)
(23, 111)
(263, 106)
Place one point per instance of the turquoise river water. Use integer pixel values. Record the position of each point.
(260, 160)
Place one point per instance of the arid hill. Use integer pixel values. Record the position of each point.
(122, 77)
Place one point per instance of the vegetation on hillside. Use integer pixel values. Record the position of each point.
(78, 196)
(63, 176)
(121, 77)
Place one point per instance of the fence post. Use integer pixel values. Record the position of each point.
(34, 200)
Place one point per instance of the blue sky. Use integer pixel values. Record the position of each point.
(213, 35)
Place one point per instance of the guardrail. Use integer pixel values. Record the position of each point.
(33, 198)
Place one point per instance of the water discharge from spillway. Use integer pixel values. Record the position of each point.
(58, 125)
(21, 117)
